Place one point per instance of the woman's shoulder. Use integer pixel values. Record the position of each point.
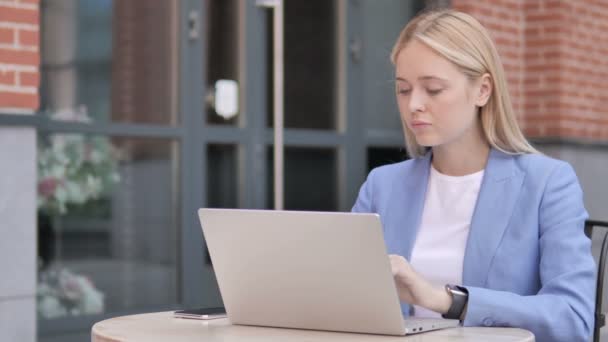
(537, 165)
(538, 160)
(394, 169)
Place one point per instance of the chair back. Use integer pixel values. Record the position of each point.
(600, 318)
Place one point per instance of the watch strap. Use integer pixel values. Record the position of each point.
(460, 297)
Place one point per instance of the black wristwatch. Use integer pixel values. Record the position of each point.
(460, 297)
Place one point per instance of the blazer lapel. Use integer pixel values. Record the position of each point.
(407, 207)
(497, 197)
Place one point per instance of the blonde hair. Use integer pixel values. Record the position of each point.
(463, 41)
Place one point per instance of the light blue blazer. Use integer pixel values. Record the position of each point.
(527, 261)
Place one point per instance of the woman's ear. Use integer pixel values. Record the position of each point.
(484, 90)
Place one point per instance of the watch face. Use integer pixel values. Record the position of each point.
(460, 297)
(456, 290)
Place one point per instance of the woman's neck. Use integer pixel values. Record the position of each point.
(463, 157)
(455, 163)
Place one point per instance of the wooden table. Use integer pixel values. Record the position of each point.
(162, 326)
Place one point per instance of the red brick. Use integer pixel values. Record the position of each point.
(540, 17)
(543, 67)
(531, 131)
(531, 6)
(485, 12)
(553, 3)
(531, 107)
(7, 77)
(468, 8)
(571, 132)
(551, 29)
(551, 55)
(29, 38)
(533, 54)
(568, 117)
(18, 100)
(513, 6)
(542, 42)
(532, 81)
(29, 79)
(18, 15)
(19, 57)
(7, 36)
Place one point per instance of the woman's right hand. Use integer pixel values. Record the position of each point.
(412, 288)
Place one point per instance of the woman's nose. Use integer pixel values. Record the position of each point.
(416, 102)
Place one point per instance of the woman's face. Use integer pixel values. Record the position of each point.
(437, 102)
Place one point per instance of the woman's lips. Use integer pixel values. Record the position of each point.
(420, 124)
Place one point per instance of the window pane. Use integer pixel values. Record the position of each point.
(104, 60)
(310, 65)
(221, 52)
(310, 179)
(222, 176)
(108, 224)
(378, 156)
(381, 29)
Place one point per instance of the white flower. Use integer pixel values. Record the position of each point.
(92, 300)
(50, 307)
(75, 193)
(115, 177)
(96, 157)
(84, 166)
(61, 193)
(58, 171)
(62, 292)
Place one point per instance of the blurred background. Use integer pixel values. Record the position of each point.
(114, 130)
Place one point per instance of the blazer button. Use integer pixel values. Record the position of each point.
(488, 322)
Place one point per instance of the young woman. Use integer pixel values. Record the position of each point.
(480, 226)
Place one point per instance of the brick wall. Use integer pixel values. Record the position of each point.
(19, 55)
(553, 51)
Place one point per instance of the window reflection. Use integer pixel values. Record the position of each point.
(109, 61)
(310, 65)
(378, 156)
(310, 179)
(222, 182)
(383, 24)
(108, 224)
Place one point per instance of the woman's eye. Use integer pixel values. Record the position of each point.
(403, 91)
(433, 92)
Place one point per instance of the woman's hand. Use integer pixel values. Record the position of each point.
(414, 289)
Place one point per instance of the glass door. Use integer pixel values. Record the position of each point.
(111, 163)
(340, 117)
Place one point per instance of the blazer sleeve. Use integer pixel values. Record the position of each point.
(562, 310)
(364, 200)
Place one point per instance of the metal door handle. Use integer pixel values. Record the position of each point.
(277, 48)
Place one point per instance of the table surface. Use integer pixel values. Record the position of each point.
(162, 326)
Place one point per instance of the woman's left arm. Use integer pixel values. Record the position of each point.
(562, 310)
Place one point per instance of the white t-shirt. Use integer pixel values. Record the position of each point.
(438, 252)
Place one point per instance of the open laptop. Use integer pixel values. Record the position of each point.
(307, 270)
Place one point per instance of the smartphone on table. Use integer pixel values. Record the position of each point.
(201, 313)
